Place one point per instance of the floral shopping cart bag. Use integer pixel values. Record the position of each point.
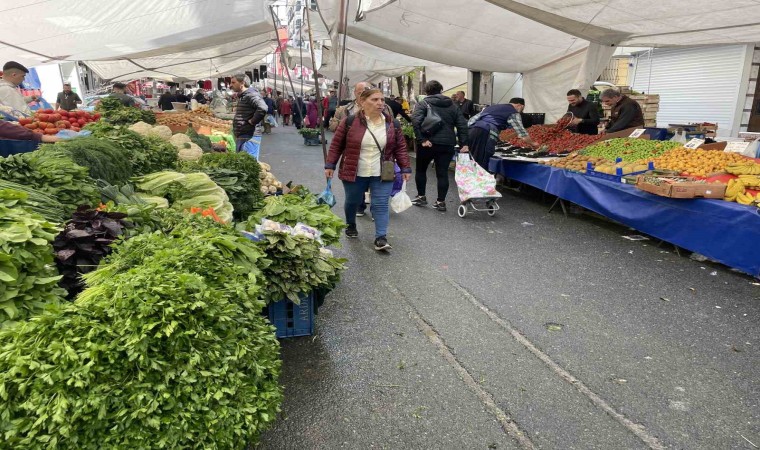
(472, 180)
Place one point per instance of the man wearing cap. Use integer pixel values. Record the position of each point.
(13, 75)
(119, 92)
(67, 100)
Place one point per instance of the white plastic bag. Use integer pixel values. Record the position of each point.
(472, 180)
(401, 201)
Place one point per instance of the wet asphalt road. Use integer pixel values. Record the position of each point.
(524, 330)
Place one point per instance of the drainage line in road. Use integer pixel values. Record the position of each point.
(638, 430)
(507, 424)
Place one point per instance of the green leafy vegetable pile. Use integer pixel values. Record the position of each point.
(166, 348)
(204, 142)
(238, 174)
(105, 160)
(302, 207)
(298, 265)
(42, 204)
(28, 278)
(114, 112)
(185, 191)
(52, 173)
(147, 154)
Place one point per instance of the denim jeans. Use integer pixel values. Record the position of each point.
(380, 193)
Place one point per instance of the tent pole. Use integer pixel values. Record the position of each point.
(344, 11)
(320, 113)
(284, 63)
(300, 49)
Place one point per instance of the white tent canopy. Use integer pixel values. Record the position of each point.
(119, 39)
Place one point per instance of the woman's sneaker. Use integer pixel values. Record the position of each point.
(381, 244)
(440, 206)
(351, 231)
(421, 200)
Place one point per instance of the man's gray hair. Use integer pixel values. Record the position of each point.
(243, 78)
(610, 93)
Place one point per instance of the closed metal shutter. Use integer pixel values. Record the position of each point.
(698, 84)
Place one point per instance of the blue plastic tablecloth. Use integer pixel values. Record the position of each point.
(726, 232)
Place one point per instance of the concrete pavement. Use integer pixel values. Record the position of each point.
(525, 330)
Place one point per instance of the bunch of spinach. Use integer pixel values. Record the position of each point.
(299, 207)
(297, 266)
(28, 278)
(52, 173)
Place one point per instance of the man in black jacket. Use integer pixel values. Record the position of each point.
(251, 109)
(626, 113)
(465, 105)
(586, 114)
(438, 144)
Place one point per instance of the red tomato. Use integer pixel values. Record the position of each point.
(77, 129)
(82, 113)
(49, 126)
(63, 113)
(30, 126)
(42, 125)
(24, 121)
(61, 124)
(51, 131)
(47, 111)
(55, 117)
(42, 117)
(38, 131)
(81, 121)
(67, 123)
(96, 116)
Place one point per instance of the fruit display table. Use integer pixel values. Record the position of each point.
(723, 231)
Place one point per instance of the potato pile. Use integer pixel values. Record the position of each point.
(698, 163)
(198, 117)
(269, 184)
(575, 162)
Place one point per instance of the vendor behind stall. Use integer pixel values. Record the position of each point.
(585, 113)
(484, 132)
(626, 113)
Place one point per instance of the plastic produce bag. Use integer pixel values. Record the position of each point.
(397, 182)
(327, 197)
(68, 134)
(472, 180)
(253, 147)
(401, 201)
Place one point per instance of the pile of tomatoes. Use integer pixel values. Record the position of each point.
(556, 138)
(47, 121)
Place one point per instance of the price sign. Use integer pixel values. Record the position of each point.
(637, 132)
(736, 146)
(694, 143)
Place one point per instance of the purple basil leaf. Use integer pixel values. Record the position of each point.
(78, 234)
(63, 255)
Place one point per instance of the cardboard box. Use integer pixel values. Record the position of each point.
(687, 189)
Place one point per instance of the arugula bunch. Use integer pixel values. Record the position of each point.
(28, 278)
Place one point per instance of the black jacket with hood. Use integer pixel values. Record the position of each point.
(251, 110)
(454, 123)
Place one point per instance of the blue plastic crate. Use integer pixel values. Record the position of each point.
(293, 320)
(657, 134)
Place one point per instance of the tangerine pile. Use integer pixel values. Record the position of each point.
(699, 163)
